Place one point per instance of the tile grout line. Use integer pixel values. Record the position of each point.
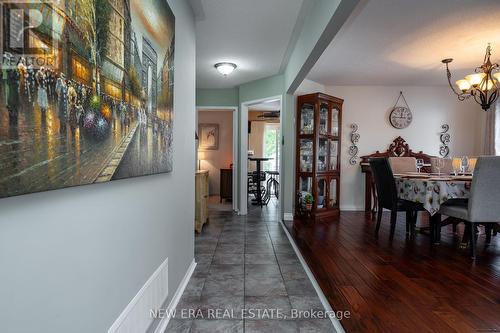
(279, 267)
(209, 269)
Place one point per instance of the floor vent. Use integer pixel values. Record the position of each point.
(136, 318)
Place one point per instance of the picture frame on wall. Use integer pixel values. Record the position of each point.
(209, 136)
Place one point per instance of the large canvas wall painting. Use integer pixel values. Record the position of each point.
(87, 92)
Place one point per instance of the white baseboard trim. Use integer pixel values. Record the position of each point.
(162, 326)
(288, 216)
(151, 295)
(352, 209)
(335, 322)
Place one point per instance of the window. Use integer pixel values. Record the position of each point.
(271, 146)
(80, 69)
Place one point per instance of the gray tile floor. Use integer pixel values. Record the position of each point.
(246, 271)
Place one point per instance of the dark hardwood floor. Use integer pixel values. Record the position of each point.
(406, 285)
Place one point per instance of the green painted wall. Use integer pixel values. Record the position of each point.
(320, 27)
(268, 87)
(288, 152)
(217, 97)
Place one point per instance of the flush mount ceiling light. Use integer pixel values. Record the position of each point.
(225, 68)
(483, 85)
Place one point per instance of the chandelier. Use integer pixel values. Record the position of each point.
(483, 85)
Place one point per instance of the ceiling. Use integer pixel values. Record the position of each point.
(402, 42)
(272, 105)
(255, 34)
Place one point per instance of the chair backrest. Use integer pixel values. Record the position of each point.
(384, 181)
(484, 202)
(448, 166)
(403, 164)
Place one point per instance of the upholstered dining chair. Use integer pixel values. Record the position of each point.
(388, 197)
(483, 206)
(403, 164)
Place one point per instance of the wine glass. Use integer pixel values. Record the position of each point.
(420, 164)
(472, 164)
(464, 164)
(439, 165)
(456, 164)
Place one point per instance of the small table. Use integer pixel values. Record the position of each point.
(432, 192)
(258, 160)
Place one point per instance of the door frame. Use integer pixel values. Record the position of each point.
(234, 113)
(243, 160)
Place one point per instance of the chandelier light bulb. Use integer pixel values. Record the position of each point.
(463, 85)
(487, 85)
(475, 79)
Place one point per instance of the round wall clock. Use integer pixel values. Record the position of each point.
(401, 117)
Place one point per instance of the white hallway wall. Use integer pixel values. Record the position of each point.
(72, 259)
(369, 107)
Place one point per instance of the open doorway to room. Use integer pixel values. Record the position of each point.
(215, 132)
(261, 164)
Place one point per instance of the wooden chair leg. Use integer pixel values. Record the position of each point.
(472, 244)
(488, 228)
(409, 220)
(414, 223)
(435, 222)
(379, 219)
(394, 216)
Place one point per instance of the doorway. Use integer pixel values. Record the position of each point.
(260, 148)
(217, 153)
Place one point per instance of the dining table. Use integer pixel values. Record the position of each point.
(432, 191)
(258, 168)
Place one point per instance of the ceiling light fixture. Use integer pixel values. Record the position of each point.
(225, 68)
(483, 85)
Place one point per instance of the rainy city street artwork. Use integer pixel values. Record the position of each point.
(86, 93)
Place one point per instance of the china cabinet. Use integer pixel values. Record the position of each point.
(319, 122)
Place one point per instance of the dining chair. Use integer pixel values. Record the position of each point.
(483, 207)
(388, 197)
(403, 164)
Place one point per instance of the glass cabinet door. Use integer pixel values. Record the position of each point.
(307, 119)
(305, 184)
(322, 192)
(322, 155)
(323, 119)
(334, 126)
(332, 193)
(306, 155)
(334, 146)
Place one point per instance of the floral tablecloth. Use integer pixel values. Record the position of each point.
(432, 193)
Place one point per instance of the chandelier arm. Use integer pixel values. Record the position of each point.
(461, 97)
(493, 97)
(475, 97)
